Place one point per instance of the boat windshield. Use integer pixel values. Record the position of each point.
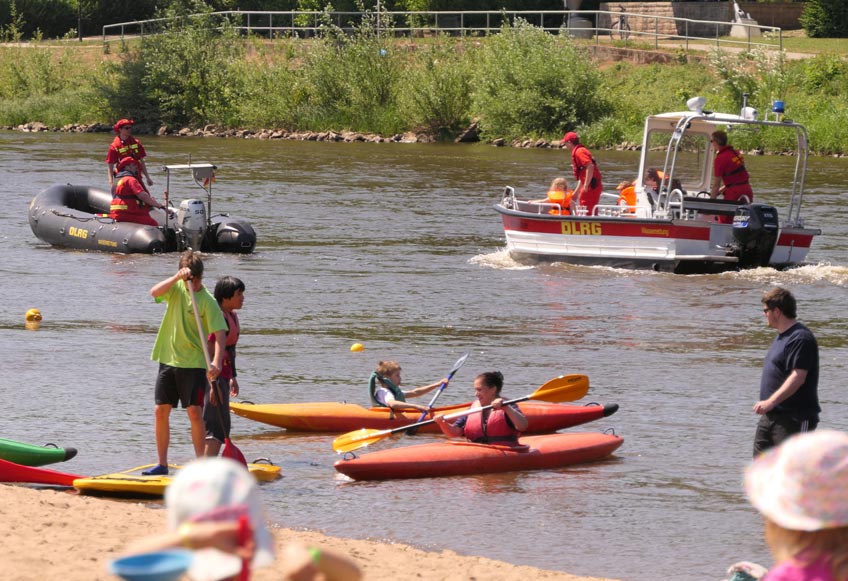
(690, 166)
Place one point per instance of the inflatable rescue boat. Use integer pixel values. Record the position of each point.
(72, 216)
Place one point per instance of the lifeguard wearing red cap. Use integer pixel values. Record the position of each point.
(123, 123)
(571, 137)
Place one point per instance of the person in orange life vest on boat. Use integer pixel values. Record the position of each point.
(130, 201)
(558, 193)
(586, 172)
(229, 292)
(125, 145)
(730, 177)
(501, 424)
(384, 389)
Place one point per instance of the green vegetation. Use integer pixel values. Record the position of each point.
(520, 84)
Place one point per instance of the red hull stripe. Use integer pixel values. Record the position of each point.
(624, 228)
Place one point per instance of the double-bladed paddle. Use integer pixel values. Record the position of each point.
(557, 390)
(230, 451)
(459, 363)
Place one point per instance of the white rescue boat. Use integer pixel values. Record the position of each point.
(676, 229)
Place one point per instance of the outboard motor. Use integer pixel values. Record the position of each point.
(755, 229)
(191, 220)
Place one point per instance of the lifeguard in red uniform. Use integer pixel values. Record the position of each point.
(729, 171)
(130, 201)
(586, 172)
(125, 145)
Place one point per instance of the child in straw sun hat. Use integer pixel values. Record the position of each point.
(801, 489)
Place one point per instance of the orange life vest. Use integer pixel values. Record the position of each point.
(627, 198)
(561, 198)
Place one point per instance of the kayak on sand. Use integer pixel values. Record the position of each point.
(12, 472)
(455, 458)
(543, 417)
(32, 455)
(131, 483)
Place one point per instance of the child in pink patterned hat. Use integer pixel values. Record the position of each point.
(801, 489)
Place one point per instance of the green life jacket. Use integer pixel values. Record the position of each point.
(388, 384)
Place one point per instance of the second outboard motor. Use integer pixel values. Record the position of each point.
(191, 219)
(755, 229)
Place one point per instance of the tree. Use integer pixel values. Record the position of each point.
(825, 19)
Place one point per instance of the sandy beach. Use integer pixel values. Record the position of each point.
(56, 534)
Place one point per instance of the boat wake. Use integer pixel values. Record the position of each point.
(501, 260)
(808, 273)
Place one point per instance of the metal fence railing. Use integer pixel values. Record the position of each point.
(597, 25)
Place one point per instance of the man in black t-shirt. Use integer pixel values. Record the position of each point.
(789, 401)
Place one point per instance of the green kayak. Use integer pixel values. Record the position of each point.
(32, 455)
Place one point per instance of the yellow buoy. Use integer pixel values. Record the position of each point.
(357, 347)
(33, 315)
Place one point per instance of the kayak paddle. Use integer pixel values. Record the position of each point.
(557, 390)
(459, 363)
(230, 451)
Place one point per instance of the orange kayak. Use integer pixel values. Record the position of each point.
(456, 458)
(345, 417)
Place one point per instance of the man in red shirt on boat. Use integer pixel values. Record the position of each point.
(130, 201)
(125, 145)
(729, 171)
(586, 172)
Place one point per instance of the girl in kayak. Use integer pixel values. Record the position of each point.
(500, 424)
(385, 391)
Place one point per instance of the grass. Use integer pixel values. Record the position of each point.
(516, 87)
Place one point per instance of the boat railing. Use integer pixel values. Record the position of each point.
(619, 211)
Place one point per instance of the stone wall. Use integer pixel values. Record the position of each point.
(784, 16)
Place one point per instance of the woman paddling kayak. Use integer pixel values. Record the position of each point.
(500, 424)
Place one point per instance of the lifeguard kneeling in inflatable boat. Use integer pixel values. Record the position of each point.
(130, 201)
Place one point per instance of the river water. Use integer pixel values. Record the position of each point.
(397, 247)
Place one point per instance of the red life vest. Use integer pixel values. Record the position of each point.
(580, 170)
(496, 429)
(228, 367)
(128, 148)
(126, 205)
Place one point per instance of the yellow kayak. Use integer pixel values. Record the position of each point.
(132, 483)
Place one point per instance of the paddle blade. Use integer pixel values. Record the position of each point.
(359, 439)
(459, 363)
(230, 451)
(563, 388)
(244, 534)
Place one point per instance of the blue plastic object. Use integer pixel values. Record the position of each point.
(777, 107)
(160, 566)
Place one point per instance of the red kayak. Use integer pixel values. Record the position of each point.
(11, 472)
(456, 457)
(345, 417)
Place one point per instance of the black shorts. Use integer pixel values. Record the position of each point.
(775, 427)
(175, 384)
